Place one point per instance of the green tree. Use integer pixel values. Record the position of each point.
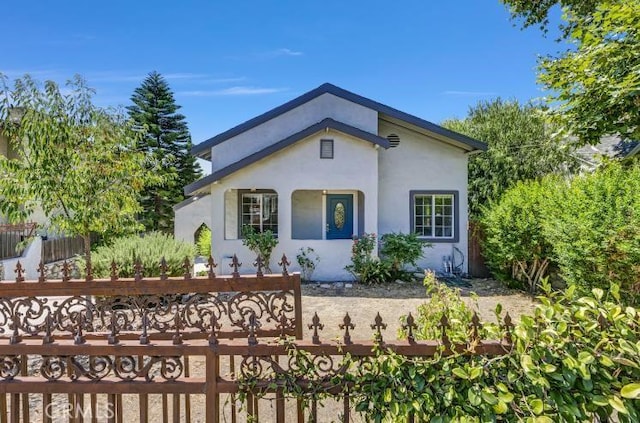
(520, 147)
(536, 12)
(594, 84)
(167, 137)
(594, 228)
(77, 162)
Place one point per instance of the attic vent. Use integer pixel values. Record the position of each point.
(326, 149)
(394, 140)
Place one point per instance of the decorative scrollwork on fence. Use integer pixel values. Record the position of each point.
(53, 367)
(313, 368)
(95, 368)
(317, 367)
(130, 368)
(254, 366)
(91, 367)
(68, 313)
(28, 313)
(36, 316)
(9, 366)
(199, 309)
(265, 306)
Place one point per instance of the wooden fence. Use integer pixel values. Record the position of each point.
(58, 249)
(11, 236)
(169, 348)
(477, 266)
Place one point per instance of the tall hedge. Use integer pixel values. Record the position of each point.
(589, 227)
(595, 229)
(516, 247)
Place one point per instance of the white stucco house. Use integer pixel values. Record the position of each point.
(325, 167)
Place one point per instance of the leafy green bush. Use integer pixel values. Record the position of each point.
(595, 229)
(307, 260)
(203, 243)
(365, 267)
(573, 360)
(589, 227)
(516, 248)
(375, 271)
(149, 249)
(401, 250)
(442, 301)
(260, 243)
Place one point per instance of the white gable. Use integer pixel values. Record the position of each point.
(324, 106)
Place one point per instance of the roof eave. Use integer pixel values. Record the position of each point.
(634, 152)
(203, 150)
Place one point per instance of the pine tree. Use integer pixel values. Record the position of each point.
(167, 137)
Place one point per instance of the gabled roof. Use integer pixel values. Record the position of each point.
(273, 148)
(189, 200)
(203, 150)
(635, 151)
(609, 146)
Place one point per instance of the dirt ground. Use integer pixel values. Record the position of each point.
(393, 300)
(331, 302)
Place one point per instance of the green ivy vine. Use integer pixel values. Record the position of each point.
(576, 359)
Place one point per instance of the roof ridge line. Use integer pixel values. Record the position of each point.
(203, 149)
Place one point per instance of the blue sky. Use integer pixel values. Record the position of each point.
(229, 61)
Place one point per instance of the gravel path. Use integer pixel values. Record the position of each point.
(395, 300)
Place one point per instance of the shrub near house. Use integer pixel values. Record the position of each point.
(515, 246)
(589, 227)
(148, 249)
(594, 227)
(574, 359)
(397, 252)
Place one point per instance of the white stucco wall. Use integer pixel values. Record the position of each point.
(278, 128)
(231, 214)
(380, 178)
(30, 260)
(188, 218)
(299, 167)
(420, 163)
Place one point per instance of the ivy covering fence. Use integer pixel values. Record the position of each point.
(576, 359)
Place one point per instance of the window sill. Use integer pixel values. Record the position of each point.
(452, 240)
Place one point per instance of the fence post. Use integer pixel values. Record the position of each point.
(297, 298)
(212, 397)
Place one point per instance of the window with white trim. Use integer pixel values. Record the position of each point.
(434, 215)
(259, 211)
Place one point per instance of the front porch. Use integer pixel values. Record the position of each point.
(323, 219)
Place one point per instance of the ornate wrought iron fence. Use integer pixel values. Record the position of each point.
(154, 349)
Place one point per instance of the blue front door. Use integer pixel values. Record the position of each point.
(339, 216)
